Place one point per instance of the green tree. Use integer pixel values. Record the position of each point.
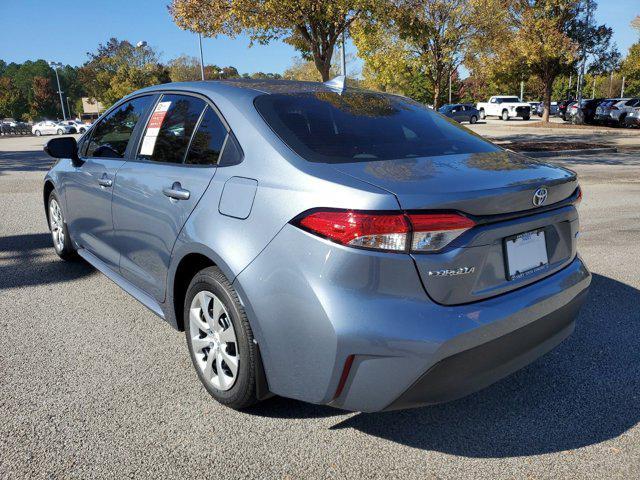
(184, 69)
(11, 100)
(311, 26)
(118, 68)
(390, 65)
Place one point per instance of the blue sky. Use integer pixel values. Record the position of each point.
(64, 32)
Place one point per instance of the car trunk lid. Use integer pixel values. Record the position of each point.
(496, 190)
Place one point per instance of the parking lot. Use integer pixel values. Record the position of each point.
(93, 384)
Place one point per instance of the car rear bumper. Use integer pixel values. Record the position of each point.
(632, 121)
(478, 367)
(314, 306)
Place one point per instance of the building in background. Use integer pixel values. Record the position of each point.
(91, 109)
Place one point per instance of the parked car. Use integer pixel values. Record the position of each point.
(78, 126)
(9, 122)
(336, 246)
(562, 108)
(460, 112)
(540, 109)
(603, 109)
(619, 110)
(633, 118)
(504, 107)
(48, 127)
(585, 111)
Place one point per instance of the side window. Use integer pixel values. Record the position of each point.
(207, 141)
(111, 136)
(170, 127)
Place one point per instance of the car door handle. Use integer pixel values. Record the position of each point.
(176, 192)
(104, 181)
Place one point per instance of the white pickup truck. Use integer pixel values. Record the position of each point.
(504, 107)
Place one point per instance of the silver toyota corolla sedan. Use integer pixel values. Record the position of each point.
(327, 244)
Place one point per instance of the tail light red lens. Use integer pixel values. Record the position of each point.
(399, 232)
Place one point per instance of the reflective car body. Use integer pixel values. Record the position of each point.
(373, 323)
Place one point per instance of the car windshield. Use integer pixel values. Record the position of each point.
(357, 126)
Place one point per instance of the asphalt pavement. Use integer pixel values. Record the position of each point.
(93, 385)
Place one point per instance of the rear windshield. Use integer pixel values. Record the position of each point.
(330, 127)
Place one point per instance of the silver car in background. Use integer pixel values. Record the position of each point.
(327, 244)
(618, 111)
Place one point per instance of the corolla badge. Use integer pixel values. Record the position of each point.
(452, 273)
(540, 196)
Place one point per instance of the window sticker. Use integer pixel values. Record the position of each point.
(155, 123)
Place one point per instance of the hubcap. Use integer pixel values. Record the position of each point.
(57, 225)
(213, 339)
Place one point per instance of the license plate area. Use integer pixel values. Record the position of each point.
(525, 254)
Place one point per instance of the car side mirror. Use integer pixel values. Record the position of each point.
(65, 147)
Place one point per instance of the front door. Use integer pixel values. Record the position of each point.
(155, 193)
(89, 187)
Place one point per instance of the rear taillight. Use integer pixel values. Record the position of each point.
(579, 199)
(396, 232)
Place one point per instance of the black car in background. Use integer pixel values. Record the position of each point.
(460, 112)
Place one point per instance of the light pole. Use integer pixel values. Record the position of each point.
(55, 66)
(201, 57)
(68, 107)
(344, 57)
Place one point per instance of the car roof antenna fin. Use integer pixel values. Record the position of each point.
(338, 83)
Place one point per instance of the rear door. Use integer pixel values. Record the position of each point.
(157, 190)
(89, 186)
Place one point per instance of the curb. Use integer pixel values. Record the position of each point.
(564, 153)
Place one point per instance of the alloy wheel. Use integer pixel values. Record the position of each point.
(57, 224)
(213, 340)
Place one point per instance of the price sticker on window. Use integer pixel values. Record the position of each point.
(153, 128)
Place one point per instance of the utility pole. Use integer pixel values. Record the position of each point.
(68, 108)
(611, 83)
(622, 90)
(569, 89)
(593, 90)
(344, 57)
(201, 57)
(584, 55)
(55, 66)
(450, 75)
(522, 90)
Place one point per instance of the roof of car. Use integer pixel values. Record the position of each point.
(242, 85)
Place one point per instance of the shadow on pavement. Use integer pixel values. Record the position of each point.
(25, 161)
(29, 260)
(584, 392)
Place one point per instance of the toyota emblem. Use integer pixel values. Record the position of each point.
(540, 196)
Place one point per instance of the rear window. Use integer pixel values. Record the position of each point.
(330, 127)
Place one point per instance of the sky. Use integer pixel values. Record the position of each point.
(65, 32)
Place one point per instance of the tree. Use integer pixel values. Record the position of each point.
(43, 103)
(11, 100)
(390, 65)
(546, 39)
(184, 69)
(118, 68)
(313, 27)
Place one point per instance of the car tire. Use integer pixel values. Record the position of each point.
(82, 130)
(38, 133)
(60, 131)
(232, 340)
(526, 117)
(482, 114)
(505, 115)
(473, 119)
(622, 121)
(58, 228)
